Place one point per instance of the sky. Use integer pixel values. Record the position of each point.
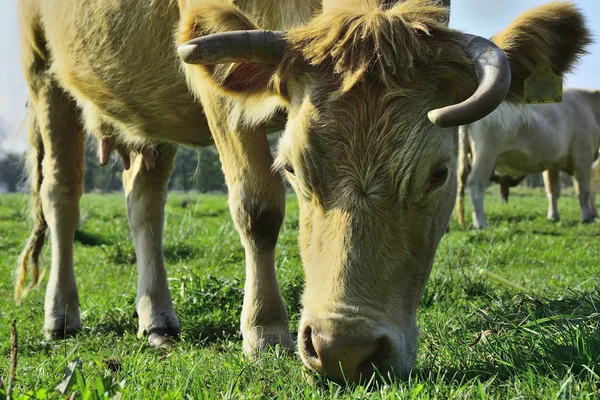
(480, 17)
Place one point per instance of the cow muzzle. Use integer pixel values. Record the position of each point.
(350, 350)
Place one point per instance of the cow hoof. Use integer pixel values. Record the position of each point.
(161, 338)
(553, 219)
(53, 331)
(261, 339)
(589, 220)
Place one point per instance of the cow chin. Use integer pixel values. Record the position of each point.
(351, 349)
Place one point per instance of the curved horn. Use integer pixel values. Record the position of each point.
(493, 75)
(234, 47)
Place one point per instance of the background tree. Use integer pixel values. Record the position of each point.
(11, 170)
(96, 178)
(197, 169)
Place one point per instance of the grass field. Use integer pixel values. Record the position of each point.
(478, 339)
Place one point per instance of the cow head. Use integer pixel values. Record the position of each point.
(372, 95)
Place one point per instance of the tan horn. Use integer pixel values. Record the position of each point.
(257, 46)
(493, 74)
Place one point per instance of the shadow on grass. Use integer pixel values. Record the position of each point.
(89, 239)
(211, 213)
(178, 251)
(546, 233)
(510, 219)
(116, 321)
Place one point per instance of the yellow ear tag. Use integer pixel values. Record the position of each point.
(543, 86)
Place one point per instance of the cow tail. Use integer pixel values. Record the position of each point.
(31, 255)
(464, 168)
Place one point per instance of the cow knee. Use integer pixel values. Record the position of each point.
(60, 203)
(259, 223)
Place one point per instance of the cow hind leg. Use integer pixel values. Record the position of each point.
(504, 188)
(582, 177)
(62, 138)
(146, 195)
(552, 184)
(594, 186)
(464, 168)
(57, 139)
(257, 205)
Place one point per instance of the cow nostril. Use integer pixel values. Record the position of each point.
(309, 347)
(375, 362)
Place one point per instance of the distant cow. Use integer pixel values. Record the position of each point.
(361, 82)
(520, 140)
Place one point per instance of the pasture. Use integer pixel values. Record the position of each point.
(478, 339)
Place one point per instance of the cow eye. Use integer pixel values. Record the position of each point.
(439, 176)
(289, 169)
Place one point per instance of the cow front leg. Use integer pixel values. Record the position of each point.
(552, 184)
(146, 195)
(63, 139)
(257, 205)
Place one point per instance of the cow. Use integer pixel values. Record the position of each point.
(519, 140)
(373, 92)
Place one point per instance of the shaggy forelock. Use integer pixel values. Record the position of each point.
(394, 44)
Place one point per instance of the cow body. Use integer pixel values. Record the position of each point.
(110, 67)
(360, 83)
(527, 139)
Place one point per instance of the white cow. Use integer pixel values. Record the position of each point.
(519, 140)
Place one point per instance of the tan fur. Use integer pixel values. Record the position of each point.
(395, 44)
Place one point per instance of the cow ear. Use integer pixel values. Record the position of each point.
(554, 34)
(241, 79)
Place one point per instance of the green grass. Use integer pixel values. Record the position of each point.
(478, 339)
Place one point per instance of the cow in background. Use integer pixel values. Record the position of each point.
(518, 140)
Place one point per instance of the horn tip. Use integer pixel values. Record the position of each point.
(437, 118)
(187, 52)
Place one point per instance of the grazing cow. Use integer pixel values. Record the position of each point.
(362, 83)
(520, 140)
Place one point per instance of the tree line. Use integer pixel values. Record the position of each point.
(195, 170)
